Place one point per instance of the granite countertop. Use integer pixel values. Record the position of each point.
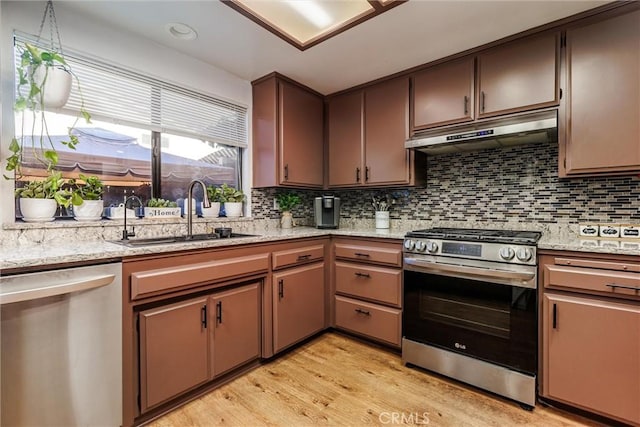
(34, 255)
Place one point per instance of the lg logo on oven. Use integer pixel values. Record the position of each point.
(460, 346)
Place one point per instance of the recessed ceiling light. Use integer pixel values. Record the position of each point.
(181, 31)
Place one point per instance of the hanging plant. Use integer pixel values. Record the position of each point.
(44, 81)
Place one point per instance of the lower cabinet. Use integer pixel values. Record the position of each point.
(298, 304)
(185, 344)
(372, 320)
(591, 355)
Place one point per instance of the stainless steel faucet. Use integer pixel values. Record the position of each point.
(126, 233)
(205, 204)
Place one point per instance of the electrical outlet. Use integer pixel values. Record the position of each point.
(276, 206)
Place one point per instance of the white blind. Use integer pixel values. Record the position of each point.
(128, 97)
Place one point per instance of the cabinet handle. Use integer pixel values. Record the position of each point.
(362, 275)
(482, 99)
(286, 172)
(219, 312)
(280, 288)
(203, 316)
(613, 287)
(466, 105)
(304, 257)
(555, 315)
(361, 311)
(366, 174)
(357, 174)
(362, 254)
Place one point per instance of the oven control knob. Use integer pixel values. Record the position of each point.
(432, 247)
(421, 246)
(523, 254)
(409, 244)
(506, 253)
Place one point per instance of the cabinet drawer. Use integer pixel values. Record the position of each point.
(616, 283)
(374, 321)
(295, 256)
(145, 283)
(369, 253)
(373, 283)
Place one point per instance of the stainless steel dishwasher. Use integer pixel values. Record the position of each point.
(62, 347)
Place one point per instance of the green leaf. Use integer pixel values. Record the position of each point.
(14, 146)
(86, 115)
(35, 53)
(76, 199)
(34, 90)
(21, 104)
(58, 58)
(52, 156)
(46, 56)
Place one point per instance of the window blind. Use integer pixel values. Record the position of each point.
(128, 97)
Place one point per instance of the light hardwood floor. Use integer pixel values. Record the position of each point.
(335, 380)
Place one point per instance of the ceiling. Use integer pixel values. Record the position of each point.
(411, 34)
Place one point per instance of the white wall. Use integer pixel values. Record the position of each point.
(126, 49)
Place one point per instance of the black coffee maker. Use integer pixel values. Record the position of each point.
(326, 211)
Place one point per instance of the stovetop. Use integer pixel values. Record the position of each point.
(469, 234)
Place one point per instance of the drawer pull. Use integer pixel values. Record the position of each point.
(362, 254)
(280, 288)
(613, 287)
(203, 316)
(367, 275)
(304, 257)
(555, 316)
(361, 311)
(219, 312)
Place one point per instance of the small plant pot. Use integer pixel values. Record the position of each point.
(57, 87)
(211, 212)
(89, 210)
(38, 210)
(382, 219)
(233, 209)
(287, 220)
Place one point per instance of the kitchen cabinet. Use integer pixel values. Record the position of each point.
(518, 76)
(367, 131)
(174, 354)
(601, 127)
(368, 289)
(235, 324)
(298, 296)
(591, 334)
(287, 134)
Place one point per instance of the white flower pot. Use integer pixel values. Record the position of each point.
(57, 87)
(89, 210)
(211, 212)
(287, 220)
(38, 210)
(382, 219)
(233, 209)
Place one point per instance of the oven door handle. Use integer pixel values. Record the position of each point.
(525, 279)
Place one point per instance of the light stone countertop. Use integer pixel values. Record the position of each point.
(23, 255)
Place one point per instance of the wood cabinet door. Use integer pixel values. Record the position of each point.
(519, 76)
(591, 355)
(603, 104)
(173, 350)
(301, 136)
(298, 304)
(235, 324)
(346, 139)
(443, 95)
(386, 130)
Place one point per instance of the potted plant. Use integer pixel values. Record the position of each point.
(87, 198)
(38, 200)
(161, 208)
(286, 202)
(215, 197)
(232, 199)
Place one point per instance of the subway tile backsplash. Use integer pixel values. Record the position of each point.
(517, 184)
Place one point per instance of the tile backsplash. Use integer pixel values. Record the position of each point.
(517, 184)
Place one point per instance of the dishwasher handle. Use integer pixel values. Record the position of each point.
(53, 289)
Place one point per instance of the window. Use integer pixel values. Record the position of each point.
(195, 136)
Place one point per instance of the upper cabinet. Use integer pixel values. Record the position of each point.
(287, 134)
(602, 111)
(518, 76)
(367, 132)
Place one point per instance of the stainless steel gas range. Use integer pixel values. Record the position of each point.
(470, 305)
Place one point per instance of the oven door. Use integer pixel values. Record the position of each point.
(463, 310)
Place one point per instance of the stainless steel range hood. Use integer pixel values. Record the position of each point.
(529, 128)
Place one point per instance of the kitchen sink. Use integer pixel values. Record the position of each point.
(134, 243)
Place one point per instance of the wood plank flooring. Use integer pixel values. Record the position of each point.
(335, 380)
